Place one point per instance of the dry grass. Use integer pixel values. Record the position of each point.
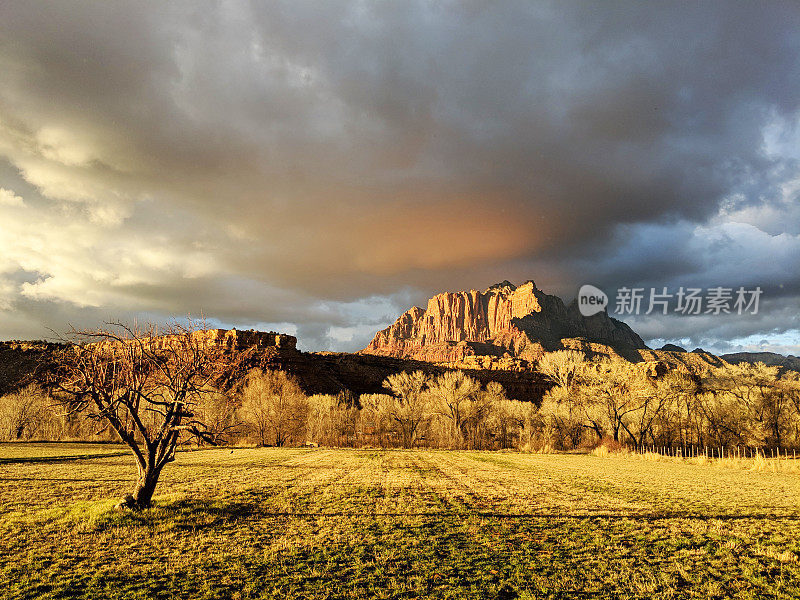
(759, 463)
(296, 523)
(32, 451)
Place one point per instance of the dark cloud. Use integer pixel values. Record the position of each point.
(288, 163)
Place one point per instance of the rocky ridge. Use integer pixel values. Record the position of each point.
(771, 359)
(502, 321)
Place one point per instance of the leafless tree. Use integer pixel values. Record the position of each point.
(274, 407)
(455, 393)
(146, 384)
(747, 405)
(409, 408)
(562, 367)
(24, 414)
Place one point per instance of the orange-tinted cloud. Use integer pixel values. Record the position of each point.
(291, 163)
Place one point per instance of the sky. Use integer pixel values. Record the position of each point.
(317, 168)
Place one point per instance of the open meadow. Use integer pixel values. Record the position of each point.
(329, 523)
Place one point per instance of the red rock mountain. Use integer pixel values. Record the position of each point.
(502, 321)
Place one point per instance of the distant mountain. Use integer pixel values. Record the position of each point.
(672, 348)
(771, 359)
(503, 320)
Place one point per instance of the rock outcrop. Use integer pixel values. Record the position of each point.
(698, 362)
(771, 359)
(504, 320)
(231, 340)
(235, 339)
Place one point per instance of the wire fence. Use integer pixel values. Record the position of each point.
(716, 452)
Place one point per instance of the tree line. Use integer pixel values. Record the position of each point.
(451, 410)
(750, 405)
(590, 401)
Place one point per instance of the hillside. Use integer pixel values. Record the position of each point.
(317, 373)
(771, 359)
(495, 335)
(19, 362)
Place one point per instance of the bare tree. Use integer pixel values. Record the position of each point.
(217, 412)
(756, 412)
(622, 391)
(562, 418)
(455, 393)
(666, 411)
(789, 387)
(376, 422)
(146, 384)
(24, 414)
(274, 407)
(562, 367)
(409, 407)
(323, 413)
(498, 415)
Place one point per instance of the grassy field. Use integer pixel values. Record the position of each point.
(51, 451)
(297, 523)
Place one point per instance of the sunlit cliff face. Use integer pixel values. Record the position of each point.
(319, 169)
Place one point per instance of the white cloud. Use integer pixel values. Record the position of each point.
(61, 146)
(77, 262)
(9, 198)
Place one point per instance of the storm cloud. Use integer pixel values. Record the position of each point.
(319, 167)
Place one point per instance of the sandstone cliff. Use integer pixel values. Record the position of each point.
(504, 320)
(231, 340)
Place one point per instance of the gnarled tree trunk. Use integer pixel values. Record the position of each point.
(145, 486)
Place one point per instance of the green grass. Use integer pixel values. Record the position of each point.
(296, 523)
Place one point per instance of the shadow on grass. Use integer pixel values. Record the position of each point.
(192, 514)
(189, 514)
(49, 459)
